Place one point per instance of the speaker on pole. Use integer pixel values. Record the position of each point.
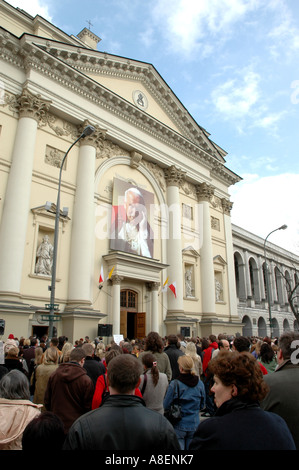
(104, 329)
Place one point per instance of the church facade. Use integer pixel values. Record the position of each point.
(142, 236)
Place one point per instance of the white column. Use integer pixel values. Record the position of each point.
(17, 197)
(174, 178)
(205, 192)
(247, 275)
(116, 281)
(155, 325)
(233, 307)
(83, 224)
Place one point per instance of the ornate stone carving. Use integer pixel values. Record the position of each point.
(54, 157)
(135, 159)
(153, 286)
(204, 192)
(226, 205)
(95, 138)
(157, 171)
(215, 223)
(189, 188)
(33, 106)
(61, 128)
(116, 279)
(174, 176)
(107, 149)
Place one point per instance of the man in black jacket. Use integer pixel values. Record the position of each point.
(122, 422)
(93, 367)
(173, 352)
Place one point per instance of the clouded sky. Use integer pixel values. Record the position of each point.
(234, 65)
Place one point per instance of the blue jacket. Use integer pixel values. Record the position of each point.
(192, 400)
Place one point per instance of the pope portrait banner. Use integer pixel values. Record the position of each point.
(132, 209)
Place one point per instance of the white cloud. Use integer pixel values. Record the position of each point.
(33, 7)
(263, 204)
(235, 98)
(189, 24)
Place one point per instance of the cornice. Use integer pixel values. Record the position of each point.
(29, 56)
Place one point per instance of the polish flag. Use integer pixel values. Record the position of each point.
(172, 287)
(101, 279)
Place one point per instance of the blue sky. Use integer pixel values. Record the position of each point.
(234, 65)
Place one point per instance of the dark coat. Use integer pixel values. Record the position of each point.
(240, 426)
(94, 368)
(122, 423)
(69, 392)
(173, 352)
(282, 398)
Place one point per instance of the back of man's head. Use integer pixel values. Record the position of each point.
(77, 354)
(286, 344)
(124, 373)
(241, 344)
(88, 349)
(212, 338)
(172, 339)
(54, 341)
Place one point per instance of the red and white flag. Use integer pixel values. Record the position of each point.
(101, 278)
(172, 287)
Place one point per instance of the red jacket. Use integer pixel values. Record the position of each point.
(99, 390)
(207, 354)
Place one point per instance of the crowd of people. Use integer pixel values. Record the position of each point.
(95, 396)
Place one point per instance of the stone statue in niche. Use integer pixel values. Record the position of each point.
(44, 257)
(188, 283)
(218, 290)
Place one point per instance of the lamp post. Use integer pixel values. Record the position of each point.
(283, 227)
(87, 131)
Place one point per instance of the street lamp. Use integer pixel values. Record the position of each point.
(283, 227)
(87, 131)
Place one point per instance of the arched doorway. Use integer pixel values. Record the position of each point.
(262, 327)
(132, 322)
(247, 328)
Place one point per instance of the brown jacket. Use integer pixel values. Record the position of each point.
(69, 393)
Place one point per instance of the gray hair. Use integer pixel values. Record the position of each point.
(14, 386)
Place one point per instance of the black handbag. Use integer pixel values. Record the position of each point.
(174, 414)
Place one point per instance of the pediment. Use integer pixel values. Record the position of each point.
(189, 250)
(138, 83)
(219, 260)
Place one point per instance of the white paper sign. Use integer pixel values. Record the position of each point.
(118, 338)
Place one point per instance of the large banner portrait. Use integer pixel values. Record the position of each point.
(131, 223)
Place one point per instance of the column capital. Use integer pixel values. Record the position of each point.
(116, 279)
(153, 286)
(227, 205)
(33, 106)
(204, 192)
(174, 176)
(95, 138)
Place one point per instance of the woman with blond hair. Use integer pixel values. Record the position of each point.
(191, 392)
(191, 351)
(43, 372)
(65, 352)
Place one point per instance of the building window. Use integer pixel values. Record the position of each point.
(128, 299)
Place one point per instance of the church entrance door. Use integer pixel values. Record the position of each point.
(132, 322)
